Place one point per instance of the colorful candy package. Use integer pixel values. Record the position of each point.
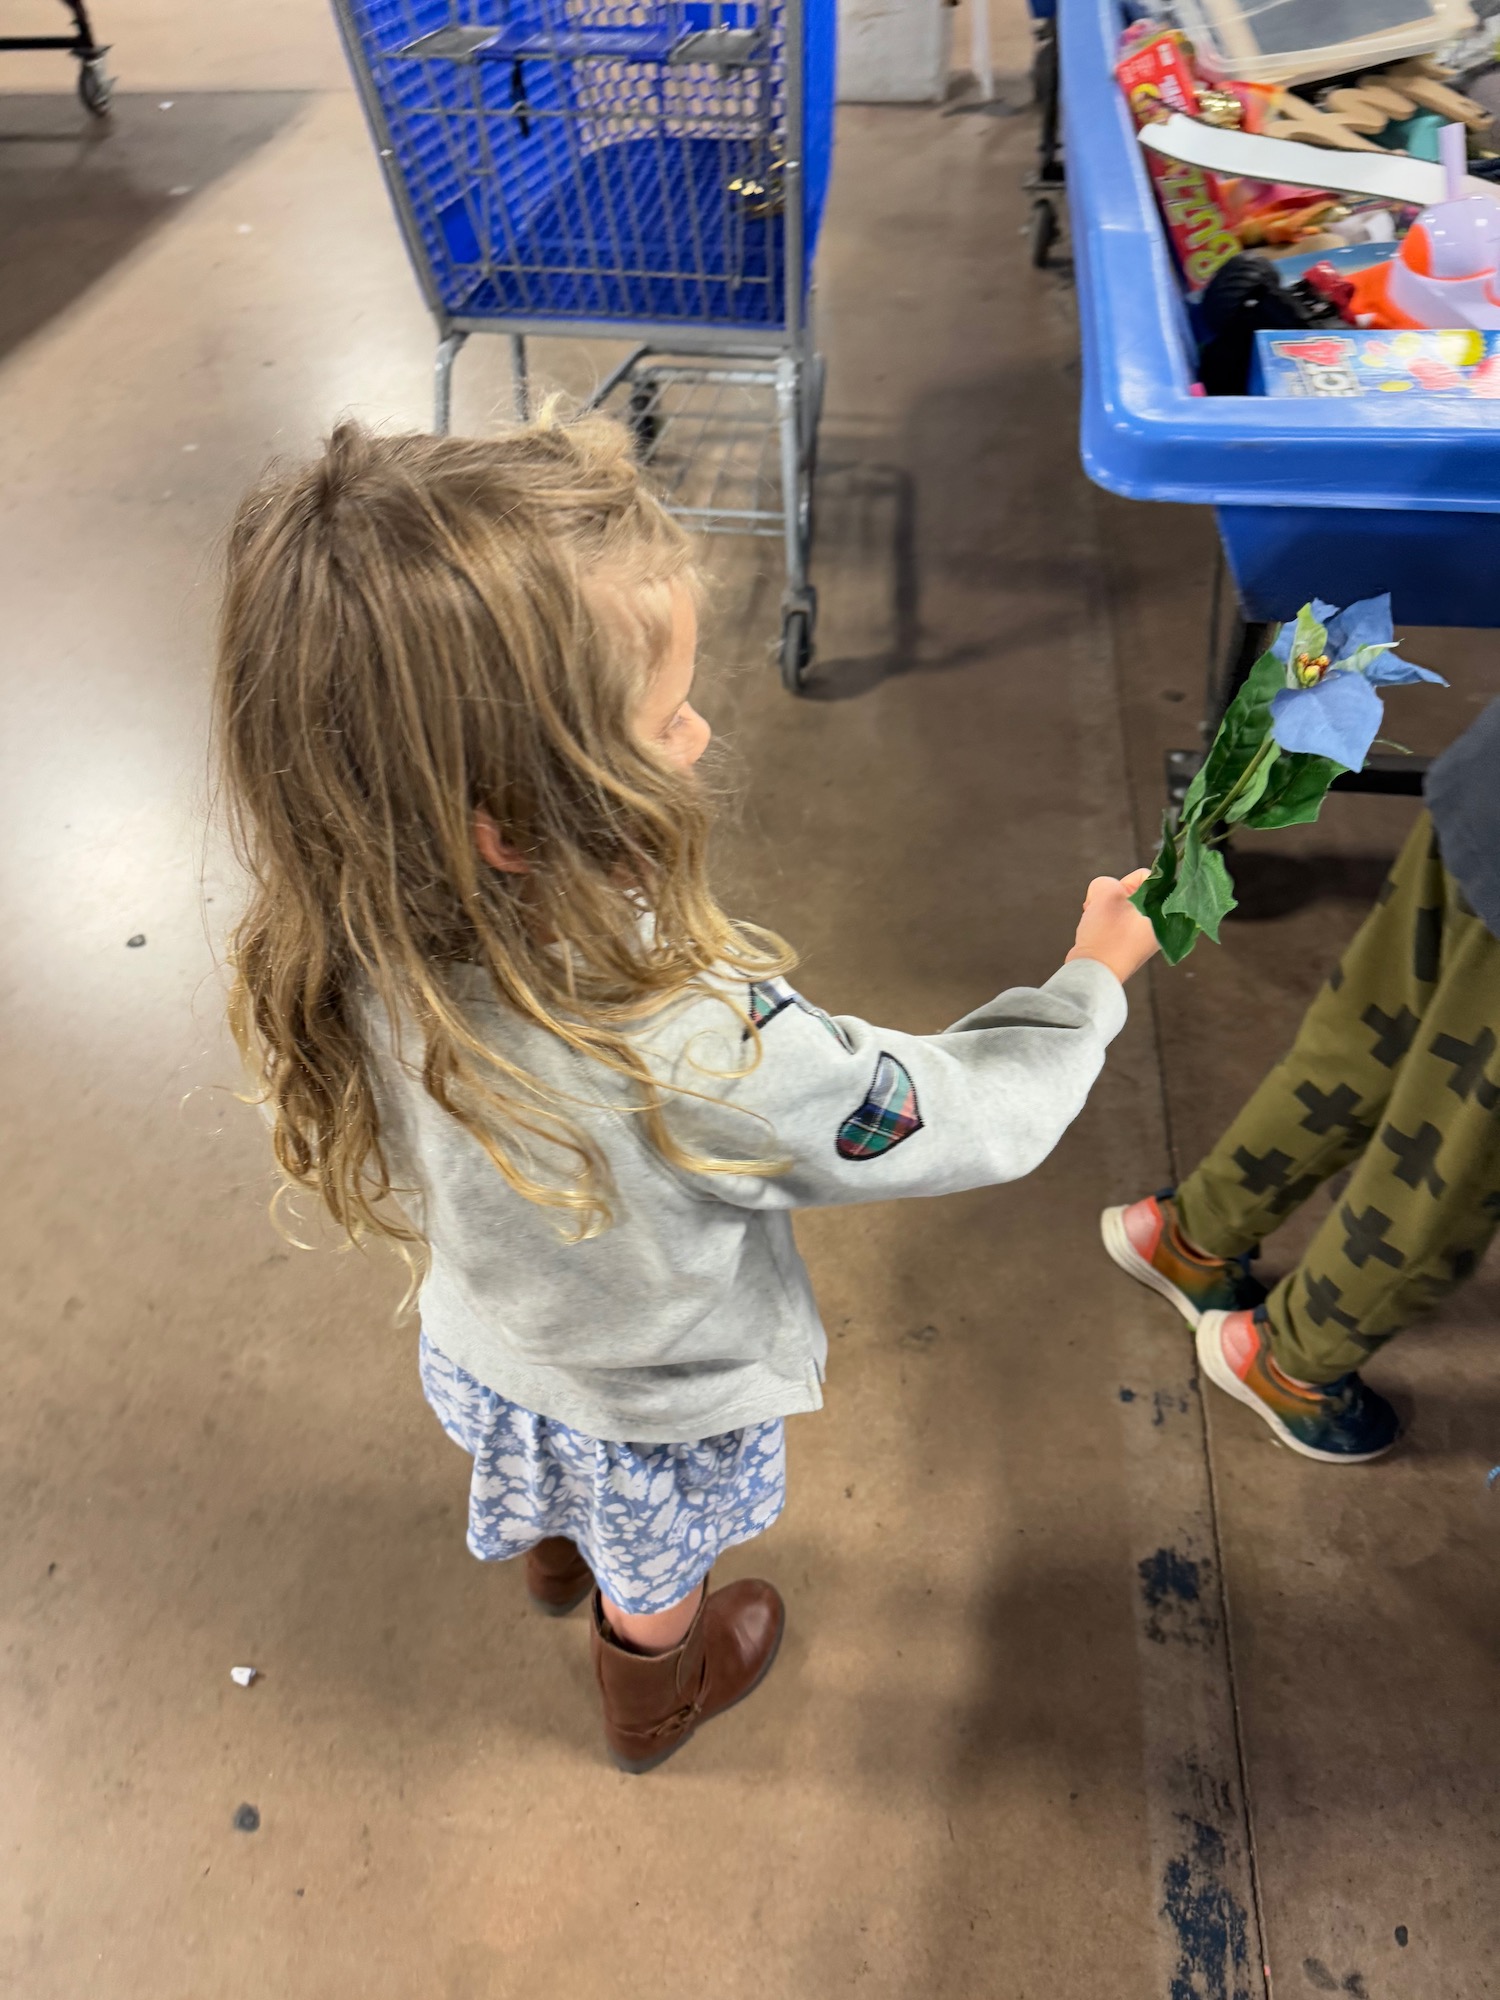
(1157, 77)
(1449, 362)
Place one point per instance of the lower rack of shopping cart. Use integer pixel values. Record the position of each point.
(731, 445)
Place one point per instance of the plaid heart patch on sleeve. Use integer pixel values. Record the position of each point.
(888, 1115)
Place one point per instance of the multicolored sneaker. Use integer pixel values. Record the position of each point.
(1341, 1423)
(1144, 1241)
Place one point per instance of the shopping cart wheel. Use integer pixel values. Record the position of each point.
(95, 85)
(1042, 231)
(796, 649)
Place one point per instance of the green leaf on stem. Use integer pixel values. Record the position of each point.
(1246, 725)
(1253, 787)
(1203, 890)
(1294, 795)
(1176, 934)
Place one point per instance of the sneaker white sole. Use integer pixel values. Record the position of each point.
(1133, 1264)
(1210, 1345)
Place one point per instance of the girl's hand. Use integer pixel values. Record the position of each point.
(1112, 930)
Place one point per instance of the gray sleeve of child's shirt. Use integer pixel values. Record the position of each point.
(859, 1113)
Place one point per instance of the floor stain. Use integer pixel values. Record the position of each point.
(1174, 1587)
(1207, 1919)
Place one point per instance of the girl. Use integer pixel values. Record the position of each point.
(498, 1017)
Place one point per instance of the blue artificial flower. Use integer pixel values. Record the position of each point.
(1334, 662)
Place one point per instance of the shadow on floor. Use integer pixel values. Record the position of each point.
(868, 513)
(77, 194)
(1271, 885)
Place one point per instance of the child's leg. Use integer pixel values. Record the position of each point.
(663, 1673)
(1319, 1107)
(655, 1695)
(1425, 1198)
(653, 1631)
(558, 1578)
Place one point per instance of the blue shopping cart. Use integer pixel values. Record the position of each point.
(653, 170)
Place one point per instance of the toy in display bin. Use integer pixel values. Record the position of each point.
(1445, 272)
(1256, 183)
(1292, 41)
(1156, 74)
(1362, 363)
(1212, 215)
(1243, 299)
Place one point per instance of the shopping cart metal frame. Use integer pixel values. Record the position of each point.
(95, 85)
(679, 378)
(1047, 182)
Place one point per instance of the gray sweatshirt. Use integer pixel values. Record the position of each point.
(693, 1313)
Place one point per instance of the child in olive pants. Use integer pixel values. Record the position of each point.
(1395, 1071)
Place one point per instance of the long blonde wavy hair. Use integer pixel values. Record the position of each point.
(416, 629)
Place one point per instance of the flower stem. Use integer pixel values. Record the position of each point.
(1241, 783)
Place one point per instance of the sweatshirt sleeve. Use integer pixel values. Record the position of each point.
(860, 1113)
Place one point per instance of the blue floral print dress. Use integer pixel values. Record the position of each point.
(651, 1519)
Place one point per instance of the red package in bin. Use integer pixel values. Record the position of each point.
(1327, 280)
(1158, 79)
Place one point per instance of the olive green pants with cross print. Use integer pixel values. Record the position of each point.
(1394, 1070)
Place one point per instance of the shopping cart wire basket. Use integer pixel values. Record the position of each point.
(647, 170)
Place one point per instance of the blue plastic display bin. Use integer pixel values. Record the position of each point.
(1337, 499)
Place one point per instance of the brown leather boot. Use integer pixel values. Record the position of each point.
(557, 1577)
(654, 1701)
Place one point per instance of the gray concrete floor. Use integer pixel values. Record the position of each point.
(1087, 1691)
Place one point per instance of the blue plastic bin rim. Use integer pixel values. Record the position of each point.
(1144, 435)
